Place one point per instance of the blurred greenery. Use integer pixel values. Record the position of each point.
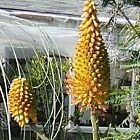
(46, 75)
(126, 135)
(128, 2)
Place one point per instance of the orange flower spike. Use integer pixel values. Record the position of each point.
(21, 102)
(91, 77)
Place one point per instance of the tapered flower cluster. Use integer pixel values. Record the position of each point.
(90, 81)
(21, 102)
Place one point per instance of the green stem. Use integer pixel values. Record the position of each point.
(95, 126)
(39, 132)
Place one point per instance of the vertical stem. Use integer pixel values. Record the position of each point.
(95, 126)
(132, 107)
(1, 130)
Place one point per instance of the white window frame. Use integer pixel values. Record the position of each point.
(85, 129)
(88, 129)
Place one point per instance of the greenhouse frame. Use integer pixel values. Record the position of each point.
(38, 49)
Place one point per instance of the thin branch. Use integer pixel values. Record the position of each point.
(120, 10)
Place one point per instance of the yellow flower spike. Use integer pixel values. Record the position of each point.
(21, 103)
(89, 83)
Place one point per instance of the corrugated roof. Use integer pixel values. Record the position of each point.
(56, 6)
(24, 37)
(61, 6)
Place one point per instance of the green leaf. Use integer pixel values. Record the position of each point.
(130, 66)
(127, 2)
(107, 2)
(132, 2)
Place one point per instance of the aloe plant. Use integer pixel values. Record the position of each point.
(89, 84)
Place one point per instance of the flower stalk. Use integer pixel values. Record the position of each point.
(21, 102)
(89, 83)
(95, 126)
